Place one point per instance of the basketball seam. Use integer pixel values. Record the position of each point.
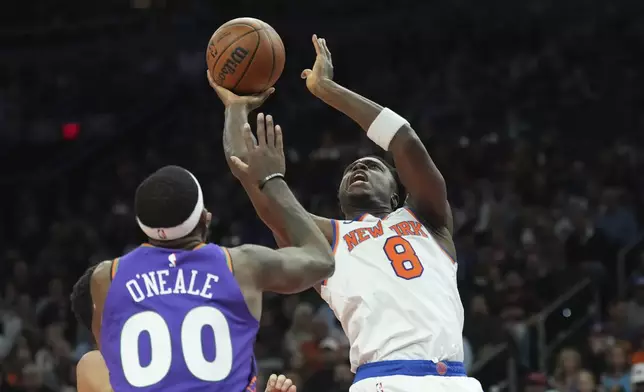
(250, 61)
(232, 43)
(270, 77)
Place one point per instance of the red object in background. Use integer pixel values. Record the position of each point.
(71, 131)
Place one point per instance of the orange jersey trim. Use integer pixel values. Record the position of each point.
(229, 260)
(335, 241)
(115, 266)
(201, 245)
(335, 234)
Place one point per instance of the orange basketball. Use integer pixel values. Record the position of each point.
(246, 56)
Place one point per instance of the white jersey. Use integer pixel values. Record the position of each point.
(394, 291)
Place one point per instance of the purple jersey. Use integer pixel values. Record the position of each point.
(176, 320)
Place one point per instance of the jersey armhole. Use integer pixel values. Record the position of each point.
(229, 260)
(335, 233)
(114, 267)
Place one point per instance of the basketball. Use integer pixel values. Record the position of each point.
(246, 56)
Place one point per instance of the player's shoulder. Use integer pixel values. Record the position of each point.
(91, 373)
(91, 359)
(103, 270)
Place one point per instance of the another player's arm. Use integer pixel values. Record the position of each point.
(292, 269)
(236, 115)
(417, 170)
(100, 284)
(92, 374)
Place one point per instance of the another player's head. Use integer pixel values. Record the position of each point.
(369, 184)
(170, 209)
(81, 298)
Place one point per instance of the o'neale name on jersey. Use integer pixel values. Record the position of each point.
(155, 283)
(358, 236)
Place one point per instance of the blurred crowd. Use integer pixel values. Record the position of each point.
(536, 134)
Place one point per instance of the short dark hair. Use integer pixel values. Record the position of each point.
(166, 198)
(81, 298)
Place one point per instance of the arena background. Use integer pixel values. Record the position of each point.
(532, 110)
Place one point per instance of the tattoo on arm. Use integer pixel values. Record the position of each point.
(295, 268)
(285, 271)
(299, 227)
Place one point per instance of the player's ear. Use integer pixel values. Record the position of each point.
(206, 217)
(394, 201)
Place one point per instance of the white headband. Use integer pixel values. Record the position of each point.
(181, 230)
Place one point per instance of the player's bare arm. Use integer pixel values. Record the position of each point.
(309, 260)
(417, 171)
(92, 374)
(236, 115)
(100, 285)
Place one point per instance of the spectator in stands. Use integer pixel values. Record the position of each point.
(618, 324)
(616, 219)
(617, 376)
(566, 374)
(635, 307)
(595, 350)
(587, 246)
(638, 272)
(535, 382)
(586, 382)
(301, 329)
(482, 329)
(637, 377)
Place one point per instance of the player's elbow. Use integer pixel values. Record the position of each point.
(323, 262)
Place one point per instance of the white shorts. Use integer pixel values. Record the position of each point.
(417, 384)
(413, 376)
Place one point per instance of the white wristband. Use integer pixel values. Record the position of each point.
(385, 127)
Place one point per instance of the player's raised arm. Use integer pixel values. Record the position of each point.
(236, 115)
(390, 131)
(309, 260)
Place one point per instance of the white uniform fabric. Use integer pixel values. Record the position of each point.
(394, 291)
(410, 383)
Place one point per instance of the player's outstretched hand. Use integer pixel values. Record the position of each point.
(322, 68)
(280, 384)
(265, 157)
(251, 102)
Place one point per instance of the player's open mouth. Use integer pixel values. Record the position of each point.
(359, 177)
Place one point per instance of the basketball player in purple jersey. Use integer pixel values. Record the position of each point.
(179, 314)
(91, 372)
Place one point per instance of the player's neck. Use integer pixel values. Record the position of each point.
(181, 243)
(357, 213)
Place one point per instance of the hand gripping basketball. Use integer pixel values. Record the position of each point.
(250, 102)
(267, 156)
(322, 68)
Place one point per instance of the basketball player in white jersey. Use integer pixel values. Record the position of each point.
(394, 288)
